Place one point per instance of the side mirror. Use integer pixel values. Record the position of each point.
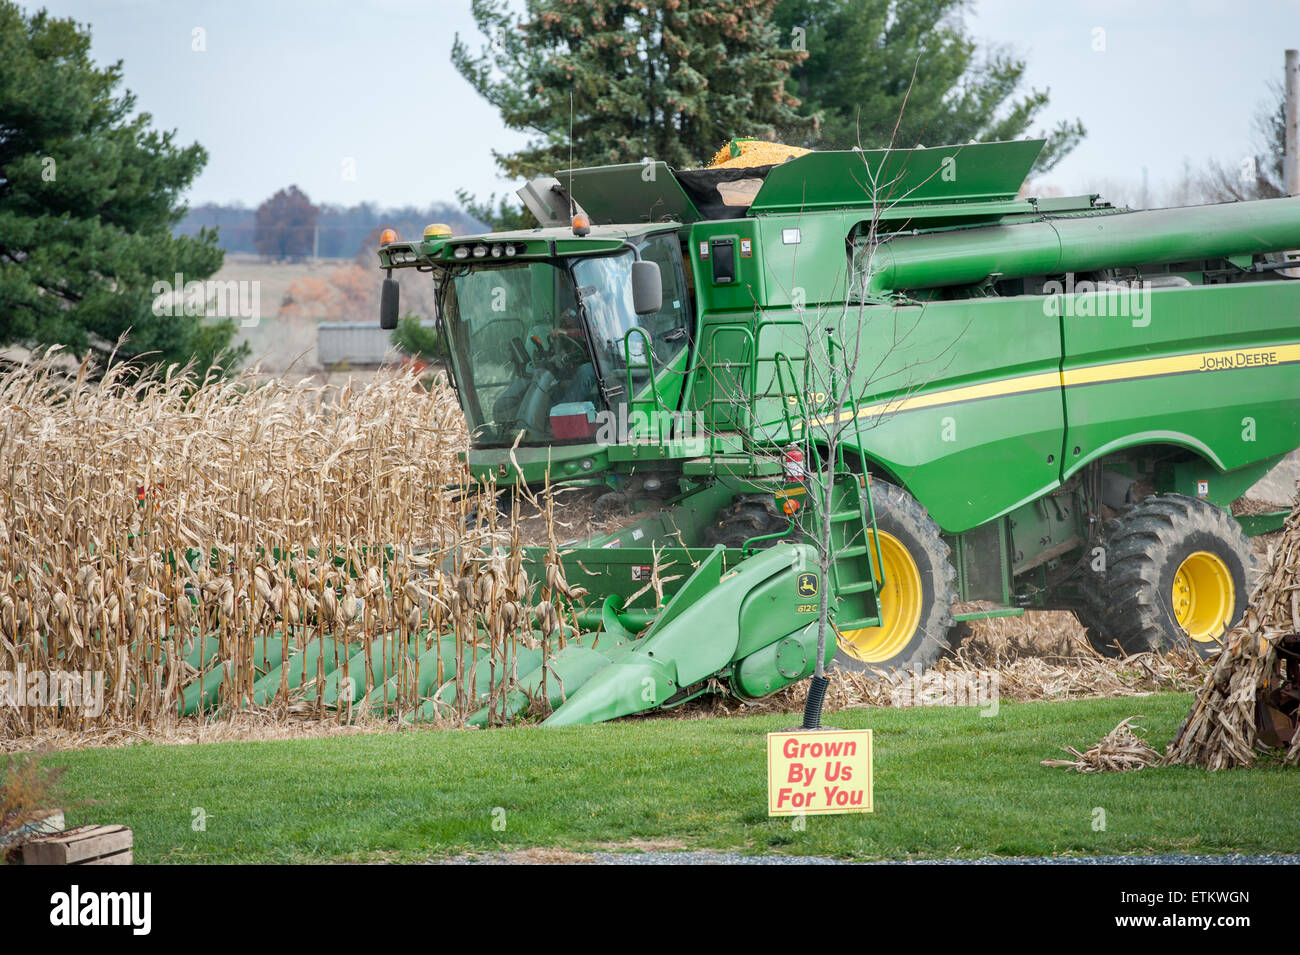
(647, 287)
(388, 304)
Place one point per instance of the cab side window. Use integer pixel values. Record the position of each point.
(668, 327)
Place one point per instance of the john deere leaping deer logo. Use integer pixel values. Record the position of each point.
(807, 585)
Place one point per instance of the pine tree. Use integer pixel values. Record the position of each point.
(89, 194)
(871, 62)
(670, 79)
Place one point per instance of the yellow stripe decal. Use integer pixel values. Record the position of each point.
(1091, 375)
(1041, 381)
(1181, 364)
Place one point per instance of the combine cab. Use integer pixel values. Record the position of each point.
(1055, 405)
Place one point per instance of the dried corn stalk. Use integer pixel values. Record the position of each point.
(1221, 730)
(233, 522)
(1120, 750)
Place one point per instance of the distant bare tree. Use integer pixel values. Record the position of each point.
(286, 224)
(1257, 175)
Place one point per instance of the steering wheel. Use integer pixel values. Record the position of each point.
(553, 347)
(481, 328)
(568, 350)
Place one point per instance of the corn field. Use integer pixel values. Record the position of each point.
(172, 542)
(179, 552)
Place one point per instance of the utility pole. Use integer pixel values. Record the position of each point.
(1291, 134)
(1291, 168)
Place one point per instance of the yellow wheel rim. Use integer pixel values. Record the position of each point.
(1203, 596)
(900, 607)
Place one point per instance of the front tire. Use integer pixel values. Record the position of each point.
(920, 587)
(750, 516)
(1177, 572)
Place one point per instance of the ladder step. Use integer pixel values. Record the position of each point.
(838, 517)
(858, 550)
(860, 588)
(859, 624)
(754, 465)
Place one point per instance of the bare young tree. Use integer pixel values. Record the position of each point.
(865, 344)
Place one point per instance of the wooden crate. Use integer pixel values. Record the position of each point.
(41, 823)
(85, 845)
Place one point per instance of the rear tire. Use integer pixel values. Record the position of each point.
(1177, 572)
(1092, 613)
(923, 586)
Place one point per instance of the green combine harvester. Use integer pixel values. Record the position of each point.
(1054, 405)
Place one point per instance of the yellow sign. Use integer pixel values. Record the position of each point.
(818, 772)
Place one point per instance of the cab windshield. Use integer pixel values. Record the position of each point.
(543, 347)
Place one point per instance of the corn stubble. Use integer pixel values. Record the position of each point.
(1042, 655)
(1119, 751)
(141, 519)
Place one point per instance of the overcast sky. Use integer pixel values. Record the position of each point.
(357, 100)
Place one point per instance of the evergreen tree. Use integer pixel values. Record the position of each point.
(871, 61)
(499, 212)
(670, 79)
(418, 341)
(89, 194)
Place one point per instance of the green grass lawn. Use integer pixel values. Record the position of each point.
(947, 782)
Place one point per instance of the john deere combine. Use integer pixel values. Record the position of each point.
(1054, 403)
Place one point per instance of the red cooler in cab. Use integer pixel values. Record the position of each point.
(574, 421)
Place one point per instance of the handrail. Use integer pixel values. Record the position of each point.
(748, 387)
(777, 358)
(789, 531)
(657, 403)
(879, 564)
(747, 402)
(798, 396)
(783, 365)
